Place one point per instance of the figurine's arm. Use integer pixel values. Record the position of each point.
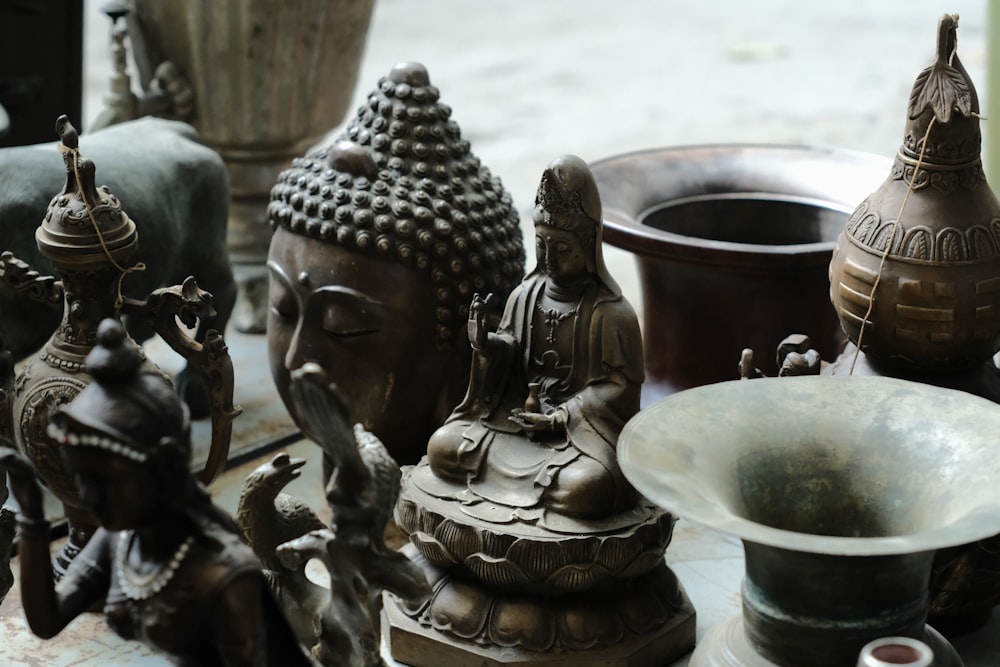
(611, 396)
(47, 609)
(615, 394)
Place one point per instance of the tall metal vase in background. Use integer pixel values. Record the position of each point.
(269, 78)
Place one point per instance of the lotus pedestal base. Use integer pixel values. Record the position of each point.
(655, 625)
(527, 587)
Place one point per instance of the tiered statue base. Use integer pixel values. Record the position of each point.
(535, 593)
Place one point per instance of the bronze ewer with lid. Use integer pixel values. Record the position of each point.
(90, 239)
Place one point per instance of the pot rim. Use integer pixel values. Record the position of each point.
(835, 178)
(666, 451)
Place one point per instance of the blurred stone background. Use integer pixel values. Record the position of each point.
(530, 80)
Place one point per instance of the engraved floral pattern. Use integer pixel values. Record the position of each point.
(575, 622)
(544, 563)
(950, 244)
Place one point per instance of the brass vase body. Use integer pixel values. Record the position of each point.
(53, 377)
(936, 223)
(938, 302)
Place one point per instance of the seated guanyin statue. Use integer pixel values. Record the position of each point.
(552, 388)
(531, 539)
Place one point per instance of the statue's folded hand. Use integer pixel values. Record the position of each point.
(537, 422)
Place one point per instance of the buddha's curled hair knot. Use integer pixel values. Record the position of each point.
(402, 184)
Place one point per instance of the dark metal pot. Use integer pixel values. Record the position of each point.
(732, 243)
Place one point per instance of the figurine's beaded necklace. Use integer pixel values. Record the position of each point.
(564, 294)
(553, 318)
(142, 588)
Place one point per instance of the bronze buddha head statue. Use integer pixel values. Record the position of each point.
(380, 241)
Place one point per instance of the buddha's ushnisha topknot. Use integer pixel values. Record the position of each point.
(402, 184)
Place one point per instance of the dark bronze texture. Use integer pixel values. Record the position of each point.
(935, 312)
(936, 222)
(173, 186)
(380, 241)
(166, 564)
(340, 622)
(90, 240)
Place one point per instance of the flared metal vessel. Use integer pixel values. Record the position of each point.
(841, 489)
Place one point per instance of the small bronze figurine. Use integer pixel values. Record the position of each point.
(268, 517)
(341, 624)
(380, 242)
(554, 385)
(169, 564)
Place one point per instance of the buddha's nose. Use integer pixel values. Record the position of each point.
(302, 348)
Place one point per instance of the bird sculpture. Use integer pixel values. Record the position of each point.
(268, 517)
(361, 492)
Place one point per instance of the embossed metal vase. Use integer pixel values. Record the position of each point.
(936, 222)
(841, 489)
(90, 241)
(86, 248)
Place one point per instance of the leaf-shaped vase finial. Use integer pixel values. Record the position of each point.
(942, 87)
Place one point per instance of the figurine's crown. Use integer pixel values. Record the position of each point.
(567, 197)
